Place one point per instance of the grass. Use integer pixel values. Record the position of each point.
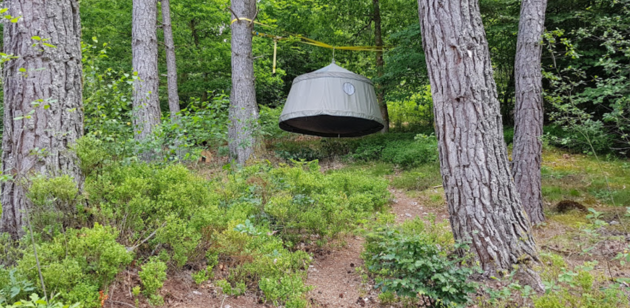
(585, 179)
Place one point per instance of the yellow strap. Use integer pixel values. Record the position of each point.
(275, 47)
(239, 19)
(313, 42)
(305, 40)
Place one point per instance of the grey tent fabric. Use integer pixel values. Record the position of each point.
(332, 102)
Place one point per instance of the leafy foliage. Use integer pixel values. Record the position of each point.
(414, 262)
(79, 263)
(153, 275)
(588, 83)
(37, 302)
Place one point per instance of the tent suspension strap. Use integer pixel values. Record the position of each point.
(275, 48)
(303, 40)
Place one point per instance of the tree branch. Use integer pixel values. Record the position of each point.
(238, 18)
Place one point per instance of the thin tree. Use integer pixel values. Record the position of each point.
(380, 93)
(528, 113)
(171, 65)
(483, 203)
(243, 108)
(146, 105)
(43, 109)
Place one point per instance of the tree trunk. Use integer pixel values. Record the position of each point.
(380, 93)
(243, 108)
(171, 65)
(528, 111)
(37, 136)
(482, 199)
(146, 105)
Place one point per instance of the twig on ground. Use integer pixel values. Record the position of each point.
(122, 303)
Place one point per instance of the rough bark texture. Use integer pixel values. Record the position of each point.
(482, 199)
(528, 113)
(243, 108)
(146, 106)
(36, 138)
(380, 93)
(171, 64)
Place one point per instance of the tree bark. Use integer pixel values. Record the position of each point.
(146, 105)
(37, 135)
(380, 93)
(528, 113)
(482, 199)
(243, 109)
(171, 64)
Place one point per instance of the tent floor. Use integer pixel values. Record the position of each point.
(331, 126)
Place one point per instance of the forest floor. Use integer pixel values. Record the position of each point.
(335, 273)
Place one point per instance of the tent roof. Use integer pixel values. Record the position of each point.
(332, 70)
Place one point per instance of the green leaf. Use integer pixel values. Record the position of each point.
(37, 38)
(49, 45)
(15, 20)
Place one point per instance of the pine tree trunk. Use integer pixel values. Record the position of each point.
(483, 203)
(146, 105)
(528, 113)
(171, 64)
(243, 108)
(36, 138)
(380, 93)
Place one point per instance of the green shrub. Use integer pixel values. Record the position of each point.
(36, 302)
(13, 287)
(78, 264)
(590, 136)
(268, 119)
(202, 276)
(152, 276)
(228, 289)
(410, 262)
(287, 289)
(141, 199)
(55, 202)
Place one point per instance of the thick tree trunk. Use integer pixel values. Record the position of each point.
(146, 105)
(482, 199)
(380, 93)
(171, 64)
(37, 136)
(528, 111)
(243, 108)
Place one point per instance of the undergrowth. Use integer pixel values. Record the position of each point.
(253, 222)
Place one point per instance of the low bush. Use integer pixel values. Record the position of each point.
(37, 302)
(591, 138)
(152, 276)
(405, 150)
(78, 264)
(13, 286)
(254, 221)
(417, 263)
(288, 289)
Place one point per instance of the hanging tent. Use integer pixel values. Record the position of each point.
(332, 102)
